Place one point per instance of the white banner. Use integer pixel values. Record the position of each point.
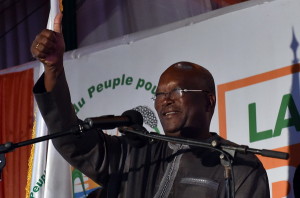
(250, 49)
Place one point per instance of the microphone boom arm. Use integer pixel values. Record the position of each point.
(214, 145)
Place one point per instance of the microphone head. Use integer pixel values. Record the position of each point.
(135, 117)
(148, 116)
(136, 120)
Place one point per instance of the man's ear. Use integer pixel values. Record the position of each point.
(211, 102)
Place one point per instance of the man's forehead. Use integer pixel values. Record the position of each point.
(179, 71)
(181, 79)
(187, 75)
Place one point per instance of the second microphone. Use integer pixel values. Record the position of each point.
(128, 118)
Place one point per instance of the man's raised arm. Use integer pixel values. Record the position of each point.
(51, 90)
(48, 47)
(87, 152)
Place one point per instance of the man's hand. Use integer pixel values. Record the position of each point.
(48, 47)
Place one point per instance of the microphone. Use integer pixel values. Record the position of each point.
(148, 117)
(128, 118)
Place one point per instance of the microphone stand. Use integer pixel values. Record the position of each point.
(226, 156)
(9, 146)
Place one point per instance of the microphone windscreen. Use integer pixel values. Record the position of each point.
(135, 117)
(149, 117)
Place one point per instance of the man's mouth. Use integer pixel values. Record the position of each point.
(170, 113)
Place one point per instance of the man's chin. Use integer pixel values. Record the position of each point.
(173, 133)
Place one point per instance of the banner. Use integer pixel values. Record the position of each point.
(252, 51)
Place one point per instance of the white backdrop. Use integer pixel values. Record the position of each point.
(236, 44)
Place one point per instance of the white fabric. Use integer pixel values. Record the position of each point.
(48, 163)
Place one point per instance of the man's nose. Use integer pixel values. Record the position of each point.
(168, 99)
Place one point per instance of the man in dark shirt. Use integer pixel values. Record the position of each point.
(184, 100)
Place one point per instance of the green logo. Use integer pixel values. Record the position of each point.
(39, 184)
(287, 104)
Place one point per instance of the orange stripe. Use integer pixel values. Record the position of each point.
(280, 189)
(261, 77)
(222, 111)
(294, 160)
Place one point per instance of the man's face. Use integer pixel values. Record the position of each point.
(189, 115)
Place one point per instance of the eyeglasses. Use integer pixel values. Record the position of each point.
(174, 94)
